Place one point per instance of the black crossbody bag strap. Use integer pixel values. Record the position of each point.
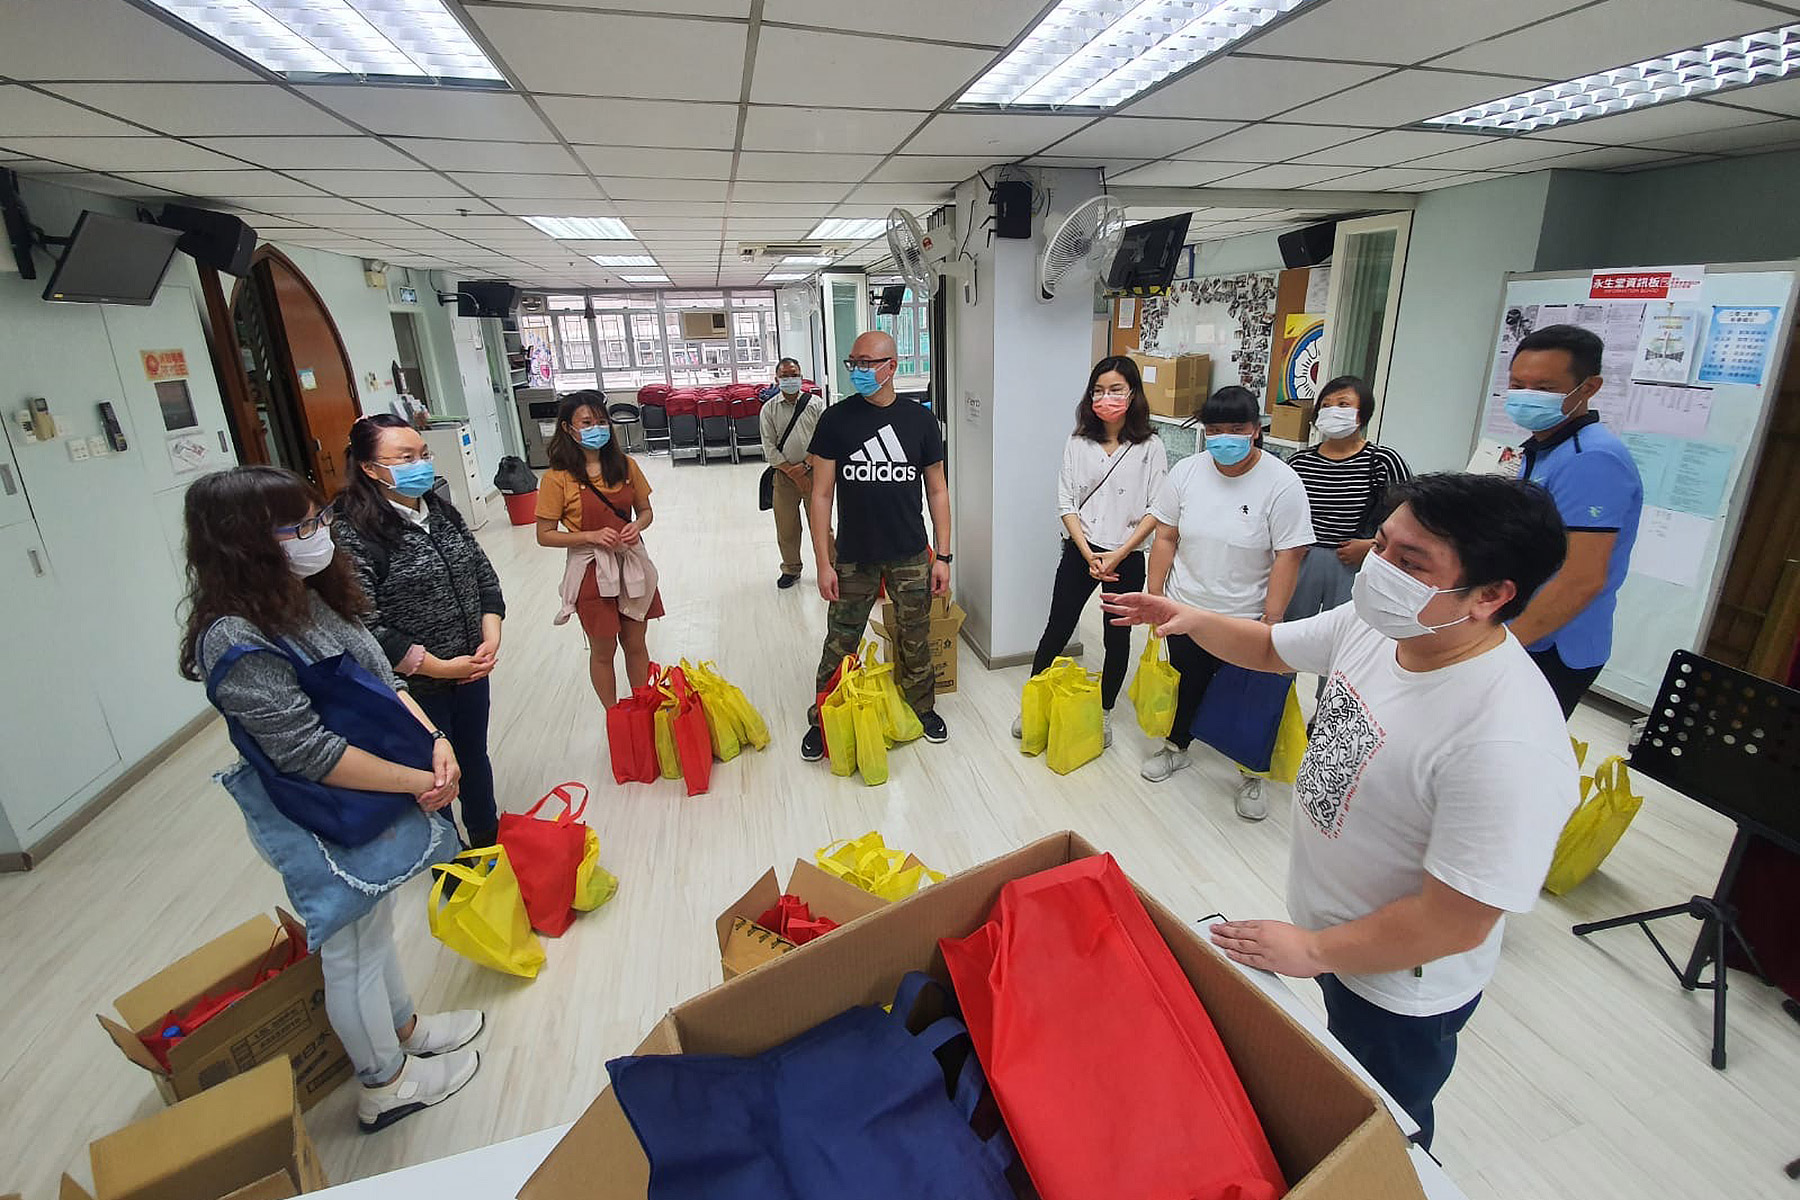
(1103, 479)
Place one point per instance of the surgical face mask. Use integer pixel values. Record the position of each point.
(1337, 422)
(595, 437)
(1535, 410)
(310, 555)
(413, 479)
(863, 380)
(1389, 600)
(789, 385)
(1228, 449)
(1110, 407)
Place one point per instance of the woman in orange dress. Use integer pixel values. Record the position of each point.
(594, 503)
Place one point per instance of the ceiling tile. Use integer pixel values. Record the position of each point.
(821, 194)
(1459, 180)
(237, 184)
(921, 196)
(1112, 166)
(1384, 179)
(317, 208)
(767, 208)
(1505, 154)
(664, 189)
(650, 57)
(835, 130)
(448, 155)
(640, 162)
(989, 23)
(1657, 121)
(25, 113)
(660, 123)
(799, 66)
(217, 109)
(1393, 146)
(1248, 89)
(1285, 175)
(122, 153)
(1780, 96)
(434, 112)
(1399, 31)
(423, 206)
(1270, 143)
(923, 168)
(1176, 173)
(363, 184)
(1149, 136)
(1749, 137)
(1605, 159)
(632, 207)
(1004, 135)
(102, 40)
(1610, 34)
(707, 8)
(773, 166)
(374, 221)
(314, 153)
(1407, 96)
(107, 185)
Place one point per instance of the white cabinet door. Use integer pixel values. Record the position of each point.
(14, 507)
(181, 421)
(54, 739)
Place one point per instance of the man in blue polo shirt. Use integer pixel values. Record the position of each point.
(1567, 627)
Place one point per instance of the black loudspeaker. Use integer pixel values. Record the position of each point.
(1012, 208)
(1308, 247)
(212, 239)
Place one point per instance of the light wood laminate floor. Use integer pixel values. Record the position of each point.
(1584, 1073)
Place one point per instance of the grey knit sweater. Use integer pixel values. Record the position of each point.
(262, 694)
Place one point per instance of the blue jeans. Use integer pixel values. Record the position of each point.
(462, 713)
(1409, 1056)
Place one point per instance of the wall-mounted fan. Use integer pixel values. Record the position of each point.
(920, 257)
(800, 301)
(1082, 248)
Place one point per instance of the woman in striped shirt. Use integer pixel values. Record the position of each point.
(1345, 477)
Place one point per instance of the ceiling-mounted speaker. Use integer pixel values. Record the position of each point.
(1310, 246)
(1012, 208)
(212, 239)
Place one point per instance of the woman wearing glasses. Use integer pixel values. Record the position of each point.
(436, 598)
(1112, 469)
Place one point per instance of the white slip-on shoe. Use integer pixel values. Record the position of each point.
(1106, 729)
(1250, 803)
(1019, 727)
(1164, 763)
(440, 1033)
(422, 1082)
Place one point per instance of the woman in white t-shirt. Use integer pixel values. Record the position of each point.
(1112, 468)
(1232, 525)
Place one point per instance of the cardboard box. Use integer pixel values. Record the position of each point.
(242, 1140)
(1291, 423)
(283, 1018)
(1174, 387)
(947, 619)
(1331, 1133)
(744, 945)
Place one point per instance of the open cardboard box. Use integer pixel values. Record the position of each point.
(242, 1140)
(285, 1017)
(745, 945)
(947, 619)
(1331, 1133)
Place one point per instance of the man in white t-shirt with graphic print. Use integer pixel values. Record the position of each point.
(1437, 780)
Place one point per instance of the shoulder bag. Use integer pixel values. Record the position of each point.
(765, 484)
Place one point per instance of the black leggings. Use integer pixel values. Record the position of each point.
(1073, 587)
(1197, 669)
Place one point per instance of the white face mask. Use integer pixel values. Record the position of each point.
(1389, 600)
(309, 555)
(1337, 422)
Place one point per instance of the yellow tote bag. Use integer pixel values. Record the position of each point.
(1290, 744)
(717, 691)
(838, 718)
(594, 884)
(897, 717)
(870, 864)
(485, 920)
(870, 722)
(1077, 724)
(1034, 705)
(1607, 806)
(668, 759)
(1153, 688)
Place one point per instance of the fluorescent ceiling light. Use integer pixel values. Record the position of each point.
(784, 277)
(807, 260)
(847, 229)
(1101, 53)
(596, 229)
(623, 260)
(645, 278)
(417, 40)
(1715, 67)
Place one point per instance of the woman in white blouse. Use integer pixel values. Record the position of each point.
(1112, 468)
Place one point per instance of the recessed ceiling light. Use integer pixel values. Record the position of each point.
(1101, 53)
(784, 277)
(807, 260)
(582, 228)
(1715, 67)
(389, 40)
(645, 278)
(623, 260)
(847, 229)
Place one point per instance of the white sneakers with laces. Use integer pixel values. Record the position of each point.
(1250, 803)
(1164, 763)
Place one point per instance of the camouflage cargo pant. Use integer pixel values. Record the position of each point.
(909, 587)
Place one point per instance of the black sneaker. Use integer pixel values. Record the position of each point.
(786, 581)
(812, 746)
(934, 727)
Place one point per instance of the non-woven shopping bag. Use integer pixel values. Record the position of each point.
(1077, 723)
(727, 700)
(1034, 705)
(897, 716)
(837, 718)
(1153, 690)
(687, 728)
(1107, 1069)
(485, 919)
(857, 1108)
(631, 737)
(1290, 742)
(869, 719)
(721, 727)
(545, 854)
(594, 884)
(668, 758)
(1240, 715)
(1607, 806)
(792, 918)
(871, 864)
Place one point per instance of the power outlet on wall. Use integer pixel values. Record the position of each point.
(78, 450)
(97, 446)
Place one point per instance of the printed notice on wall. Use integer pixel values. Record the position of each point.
(1127, 312)
(971, 408)
(1318, 289)
(164, 364)
(1655, 408)
(1738, 342)
(190, 453)
(1666, 343)
(308, 381)
(1671, 546)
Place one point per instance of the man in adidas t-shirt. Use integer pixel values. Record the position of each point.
(1437, 780)
(882, 458)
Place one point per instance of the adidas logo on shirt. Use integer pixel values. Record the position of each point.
(881, 460)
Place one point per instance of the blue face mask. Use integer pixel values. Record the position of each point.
(595, 437)
(1228, 449)
(863, 380)
(1535, 410)
(413, 479)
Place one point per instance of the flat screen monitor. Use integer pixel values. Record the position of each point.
(1148, 256)
(486, 298)
(110, 260)
(892, 296)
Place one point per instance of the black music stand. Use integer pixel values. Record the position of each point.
(1731, 741)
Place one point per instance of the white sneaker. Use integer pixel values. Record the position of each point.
(1250, 803)
(1164, 763)
(1106, 728)
(1019, 727)
(422, 1082)
(440, 1033)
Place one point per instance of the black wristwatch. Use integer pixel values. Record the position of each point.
(944, 558)
(439, 735)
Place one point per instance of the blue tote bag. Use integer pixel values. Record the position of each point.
(859, 1107)
(1240, 715)
(364, 711)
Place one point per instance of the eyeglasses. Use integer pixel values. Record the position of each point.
(310, 526)
(1111, 393)
(405, 460)
(861, 363)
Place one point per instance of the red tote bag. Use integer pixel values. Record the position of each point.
(545, 855)
(631, 737)
(693, 743)
(1094, 1041)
